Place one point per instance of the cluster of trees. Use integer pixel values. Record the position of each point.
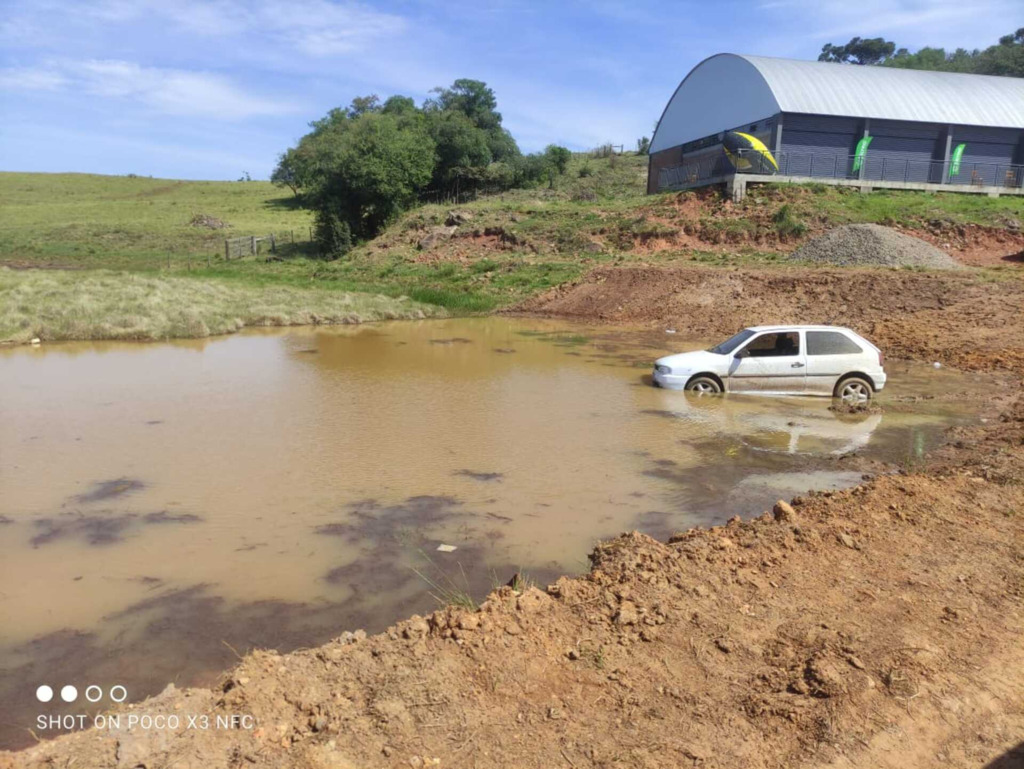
(361, 166)
(1004, 58)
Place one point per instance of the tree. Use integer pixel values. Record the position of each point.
(1004, 58)
(873, 50)
(289, 171)
(475, 100)
(362, 104)
(332, 232)
(470, 97)
(361, 165)
(643, 145)
(377, 169)
(459, 143)
(558, 157)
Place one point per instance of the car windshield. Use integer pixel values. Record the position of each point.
(730, 344)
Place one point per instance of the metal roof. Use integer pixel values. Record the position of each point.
(727, 90)
(888, 93)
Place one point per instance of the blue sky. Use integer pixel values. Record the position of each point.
(207, 90)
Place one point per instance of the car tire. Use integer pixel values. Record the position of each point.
(704, 385)
(854, 390)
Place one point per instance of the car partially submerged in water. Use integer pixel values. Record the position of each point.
(780, 360)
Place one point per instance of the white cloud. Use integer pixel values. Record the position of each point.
(30, 79)
(949, 23)
(316, 28)
(166, 91)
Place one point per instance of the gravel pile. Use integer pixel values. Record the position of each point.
(857, 244)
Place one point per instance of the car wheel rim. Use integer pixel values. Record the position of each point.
(854, 392)
(704, 387)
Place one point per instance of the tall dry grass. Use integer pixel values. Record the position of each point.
(57, 305)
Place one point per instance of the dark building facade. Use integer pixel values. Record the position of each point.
(843, 124)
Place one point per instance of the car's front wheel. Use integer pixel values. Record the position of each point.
(704, 385)
(854, 389)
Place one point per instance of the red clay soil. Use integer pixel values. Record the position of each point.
(976, 245)
(960, 320)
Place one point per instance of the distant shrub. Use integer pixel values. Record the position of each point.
(586, 170)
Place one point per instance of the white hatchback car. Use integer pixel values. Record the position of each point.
(781, 360)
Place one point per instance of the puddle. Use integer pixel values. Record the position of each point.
(162, 503)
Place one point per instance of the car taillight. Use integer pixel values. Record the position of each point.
(881, 358)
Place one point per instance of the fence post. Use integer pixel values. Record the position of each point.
(273, 244)
(252, 245)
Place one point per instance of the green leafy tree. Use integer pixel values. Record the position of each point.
(558, 157)
(643, 145)
(872, 50)
(460, 145)
(332, 232)
(1004, 58)
(376, 169)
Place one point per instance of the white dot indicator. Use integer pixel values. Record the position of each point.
(44, 693)
(69, 693)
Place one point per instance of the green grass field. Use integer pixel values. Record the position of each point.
(83, 220)
(508, 247)
(56, 305)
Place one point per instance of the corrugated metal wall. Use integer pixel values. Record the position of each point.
(818, 145)
(989, 155)
(905, 152)
(900, 151)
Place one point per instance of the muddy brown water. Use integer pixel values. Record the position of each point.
(166, 506)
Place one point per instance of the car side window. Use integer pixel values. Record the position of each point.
(774, 345)
(831, 343)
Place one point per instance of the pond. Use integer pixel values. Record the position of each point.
(164, 506)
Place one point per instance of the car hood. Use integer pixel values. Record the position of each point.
(692, 362)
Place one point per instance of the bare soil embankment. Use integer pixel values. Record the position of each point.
(962, 320)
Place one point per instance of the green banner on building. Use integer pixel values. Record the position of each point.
(861, 152)
(954, 160)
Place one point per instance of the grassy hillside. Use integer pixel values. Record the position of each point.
(474, 256)
(84, 220)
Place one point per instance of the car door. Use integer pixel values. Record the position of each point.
(772, 361)
(830, 354)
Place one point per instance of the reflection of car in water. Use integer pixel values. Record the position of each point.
(780, 360)
(803, 426)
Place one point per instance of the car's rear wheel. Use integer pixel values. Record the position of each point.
(704, 385)
(854, 389)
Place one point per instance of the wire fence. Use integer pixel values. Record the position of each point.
(842, 166)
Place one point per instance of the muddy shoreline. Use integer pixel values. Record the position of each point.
(874, 627)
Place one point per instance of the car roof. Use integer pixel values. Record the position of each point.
(798, 328)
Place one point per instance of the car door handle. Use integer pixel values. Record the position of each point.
(797, 365)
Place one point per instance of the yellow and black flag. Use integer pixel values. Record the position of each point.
(748, 154)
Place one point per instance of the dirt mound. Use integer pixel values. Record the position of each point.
(952, 317)
(873, 244)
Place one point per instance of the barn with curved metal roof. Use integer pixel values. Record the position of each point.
(839, 123)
